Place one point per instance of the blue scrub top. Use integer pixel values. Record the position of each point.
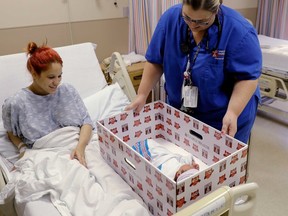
(239, 58)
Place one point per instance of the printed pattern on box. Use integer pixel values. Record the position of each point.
(225, 157)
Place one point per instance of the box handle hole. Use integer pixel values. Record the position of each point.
(130, 163)
(193, 133)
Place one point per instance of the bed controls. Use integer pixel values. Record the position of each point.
(273, 87)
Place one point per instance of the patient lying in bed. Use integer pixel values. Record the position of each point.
(175, 165)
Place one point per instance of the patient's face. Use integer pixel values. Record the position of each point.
(48, 81)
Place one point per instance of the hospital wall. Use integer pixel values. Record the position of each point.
(65, 22)
(246, 7)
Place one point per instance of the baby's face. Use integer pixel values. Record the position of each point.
(183, 169)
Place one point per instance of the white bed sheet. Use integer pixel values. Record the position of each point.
(41, 207)
(275, 56)
(48, 169)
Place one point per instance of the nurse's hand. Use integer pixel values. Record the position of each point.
(137, 104)
(229, 124)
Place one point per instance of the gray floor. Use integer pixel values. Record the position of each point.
(268, 165)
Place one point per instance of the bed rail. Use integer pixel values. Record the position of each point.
(273, 87)
(121, 75)
(225, 201)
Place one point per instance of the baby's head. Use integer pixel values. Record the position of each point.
(183, 171)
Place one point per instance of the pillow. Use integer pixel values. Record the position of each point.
(107, 102)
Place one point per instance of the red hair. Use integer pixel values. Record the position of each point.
(41, 57)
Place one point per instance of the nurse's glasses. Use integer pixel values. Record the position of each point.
(203, 22)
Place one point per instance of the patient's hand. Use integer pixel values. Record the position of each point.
(21, 154)
(22, 151)
(79, 154)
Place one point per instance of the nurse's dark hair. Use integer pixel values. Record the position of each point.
(209, 5)
(41, 57)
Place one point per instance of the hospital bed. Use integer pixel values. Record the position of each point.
(81, 68)
(274, 79)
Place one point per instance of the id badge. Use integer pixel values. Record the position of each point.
(190, 96)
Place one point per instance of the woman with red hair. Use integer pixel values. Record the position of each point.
(45, 105)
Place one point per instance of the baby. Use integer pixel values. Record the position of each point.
(173, 164)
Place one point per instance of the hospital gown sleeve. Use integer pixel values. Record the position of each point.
(10, 116)
(6, 115)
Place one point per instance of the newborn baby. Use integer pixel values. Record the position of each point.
(175, 165)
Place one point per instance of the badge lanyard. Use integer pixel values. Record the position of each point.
(190, 92)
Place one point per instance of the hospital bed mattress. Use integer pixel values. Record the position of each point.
(275, 56)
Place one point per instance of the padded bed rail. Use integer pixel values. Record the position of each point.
(121, 75)
(225, 201)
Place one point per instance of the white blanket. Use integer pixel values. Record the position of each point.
(73, 189)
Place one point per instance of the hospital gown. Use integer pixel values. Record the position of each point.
(30, 116)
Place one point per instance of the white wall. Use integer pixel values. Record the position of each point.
(19, 13)
(240, 4)
(16, 13)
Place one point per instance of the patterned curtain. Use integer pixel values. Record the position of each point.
(272, 18)
(143, 18)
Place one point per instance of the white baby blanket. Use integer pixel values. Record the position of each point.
(165, 155)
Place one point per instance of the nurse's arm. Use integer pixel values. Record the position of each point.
(242, 93)
(151, 75)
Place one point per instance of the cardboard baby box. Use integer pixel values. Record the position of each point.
(225, 157)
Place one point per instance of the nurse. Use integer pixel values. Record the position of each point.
(211, 60)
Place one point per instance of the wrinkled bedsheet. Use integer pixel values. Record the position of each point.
(73, 189)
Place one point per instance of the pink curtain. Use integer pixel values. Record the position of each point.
(272, 18)
(143, 18)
